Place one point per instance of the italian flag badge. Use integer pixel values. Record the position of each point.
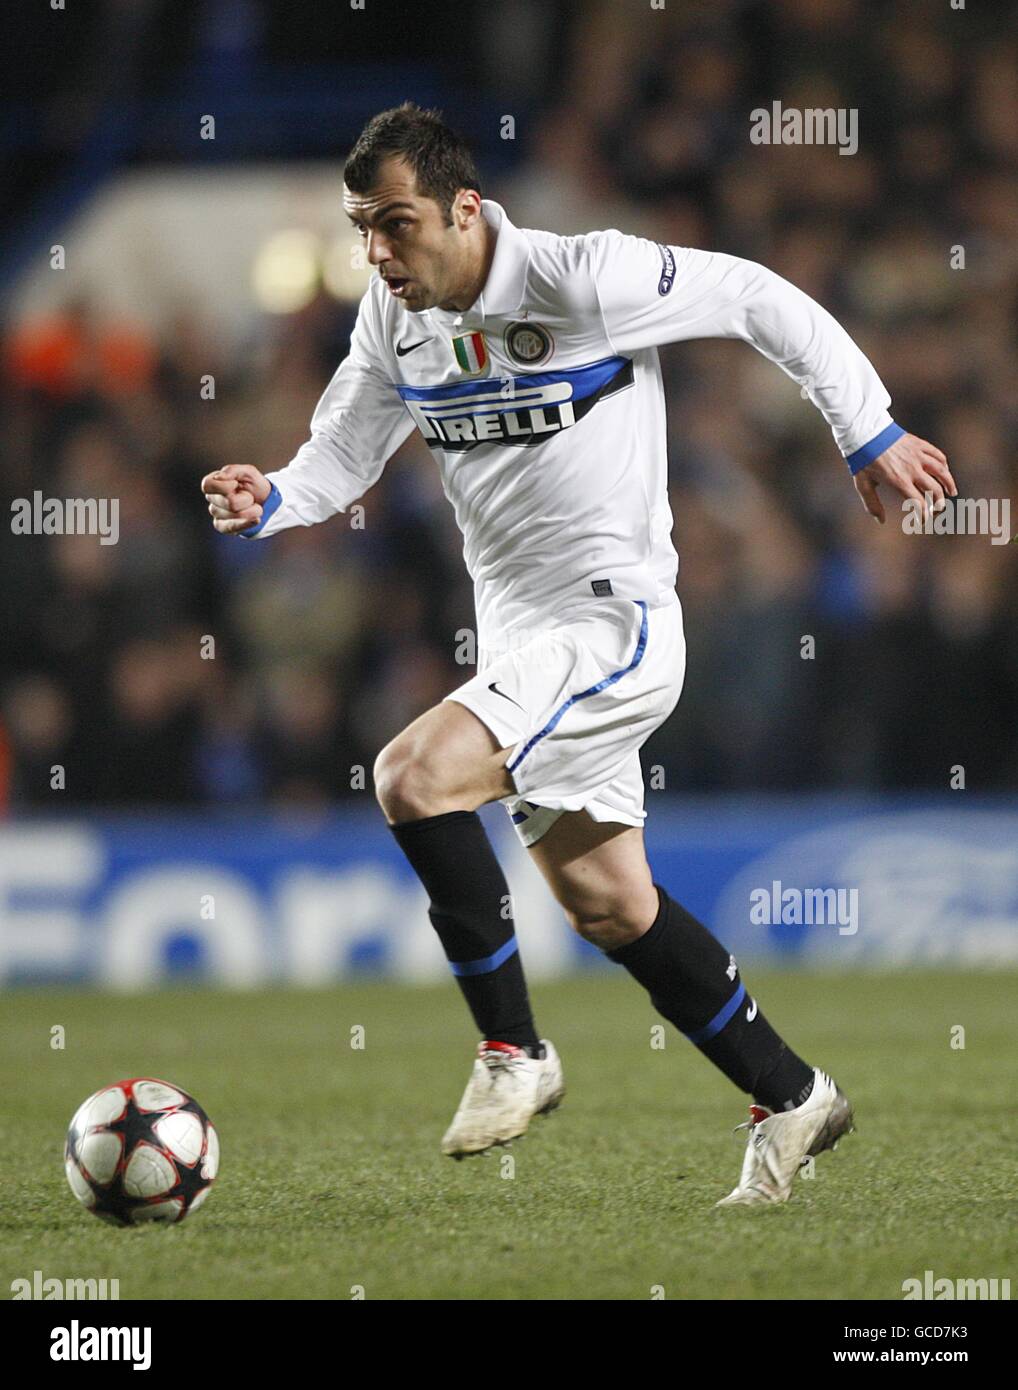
(471, 352)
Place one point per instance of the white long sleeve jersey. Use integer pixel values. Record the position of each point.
(544, 406)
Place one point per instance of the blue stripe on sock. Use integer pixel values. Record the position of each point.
(720, 1019)
(489, 963)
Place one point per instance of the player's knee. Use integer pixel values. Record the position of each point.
(408, 785)
(609, 923)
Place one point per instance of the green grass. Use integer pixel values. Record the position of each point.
(332, 1175)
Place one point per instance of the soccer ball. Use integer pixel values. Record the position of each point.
(141, 1150)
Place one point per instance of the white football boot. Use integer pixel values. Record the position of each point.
(779, 1143)
(507, 1087)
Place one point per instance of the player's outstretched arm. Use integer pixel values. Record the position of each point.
(358, 424)
(912, 467)
(651, 294)
(236, 496)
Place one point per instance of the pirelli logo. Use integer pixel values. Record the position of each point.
(515, 411)
(515, 418)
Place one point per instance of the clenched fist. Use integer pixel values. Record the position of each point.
(235, 495)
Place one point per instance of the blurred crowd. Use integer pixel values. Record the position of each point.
(180, 667)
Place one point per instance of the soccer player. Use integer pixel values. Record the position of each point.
(528, 361)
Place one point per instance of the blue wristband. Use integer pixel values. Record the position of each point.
(874, 448)
(270, 505)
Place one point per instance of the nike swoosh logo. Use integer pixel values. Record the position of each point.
(402, 351)
(494, 686)
(751, 1011)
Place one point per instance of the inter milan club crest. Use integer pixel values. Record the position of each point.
(471, 353)
(527, 343)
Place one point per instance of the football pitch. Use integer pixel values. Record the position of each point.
(332, 1185)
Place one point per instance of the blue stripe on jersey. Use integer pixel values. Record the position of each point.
(719, 1020)
(489, 963)
(584, 381)
(641, 647)
(874, 448)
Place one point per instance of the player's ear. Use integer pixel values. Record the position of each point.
(466, 208)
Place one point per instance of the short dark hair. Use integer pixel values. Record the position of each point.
(440, 159)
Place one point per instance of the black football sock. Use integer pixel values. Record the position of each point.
(452, 856)
(694, 983)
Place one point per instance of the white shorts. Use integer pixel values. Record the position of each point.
(575, 704)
